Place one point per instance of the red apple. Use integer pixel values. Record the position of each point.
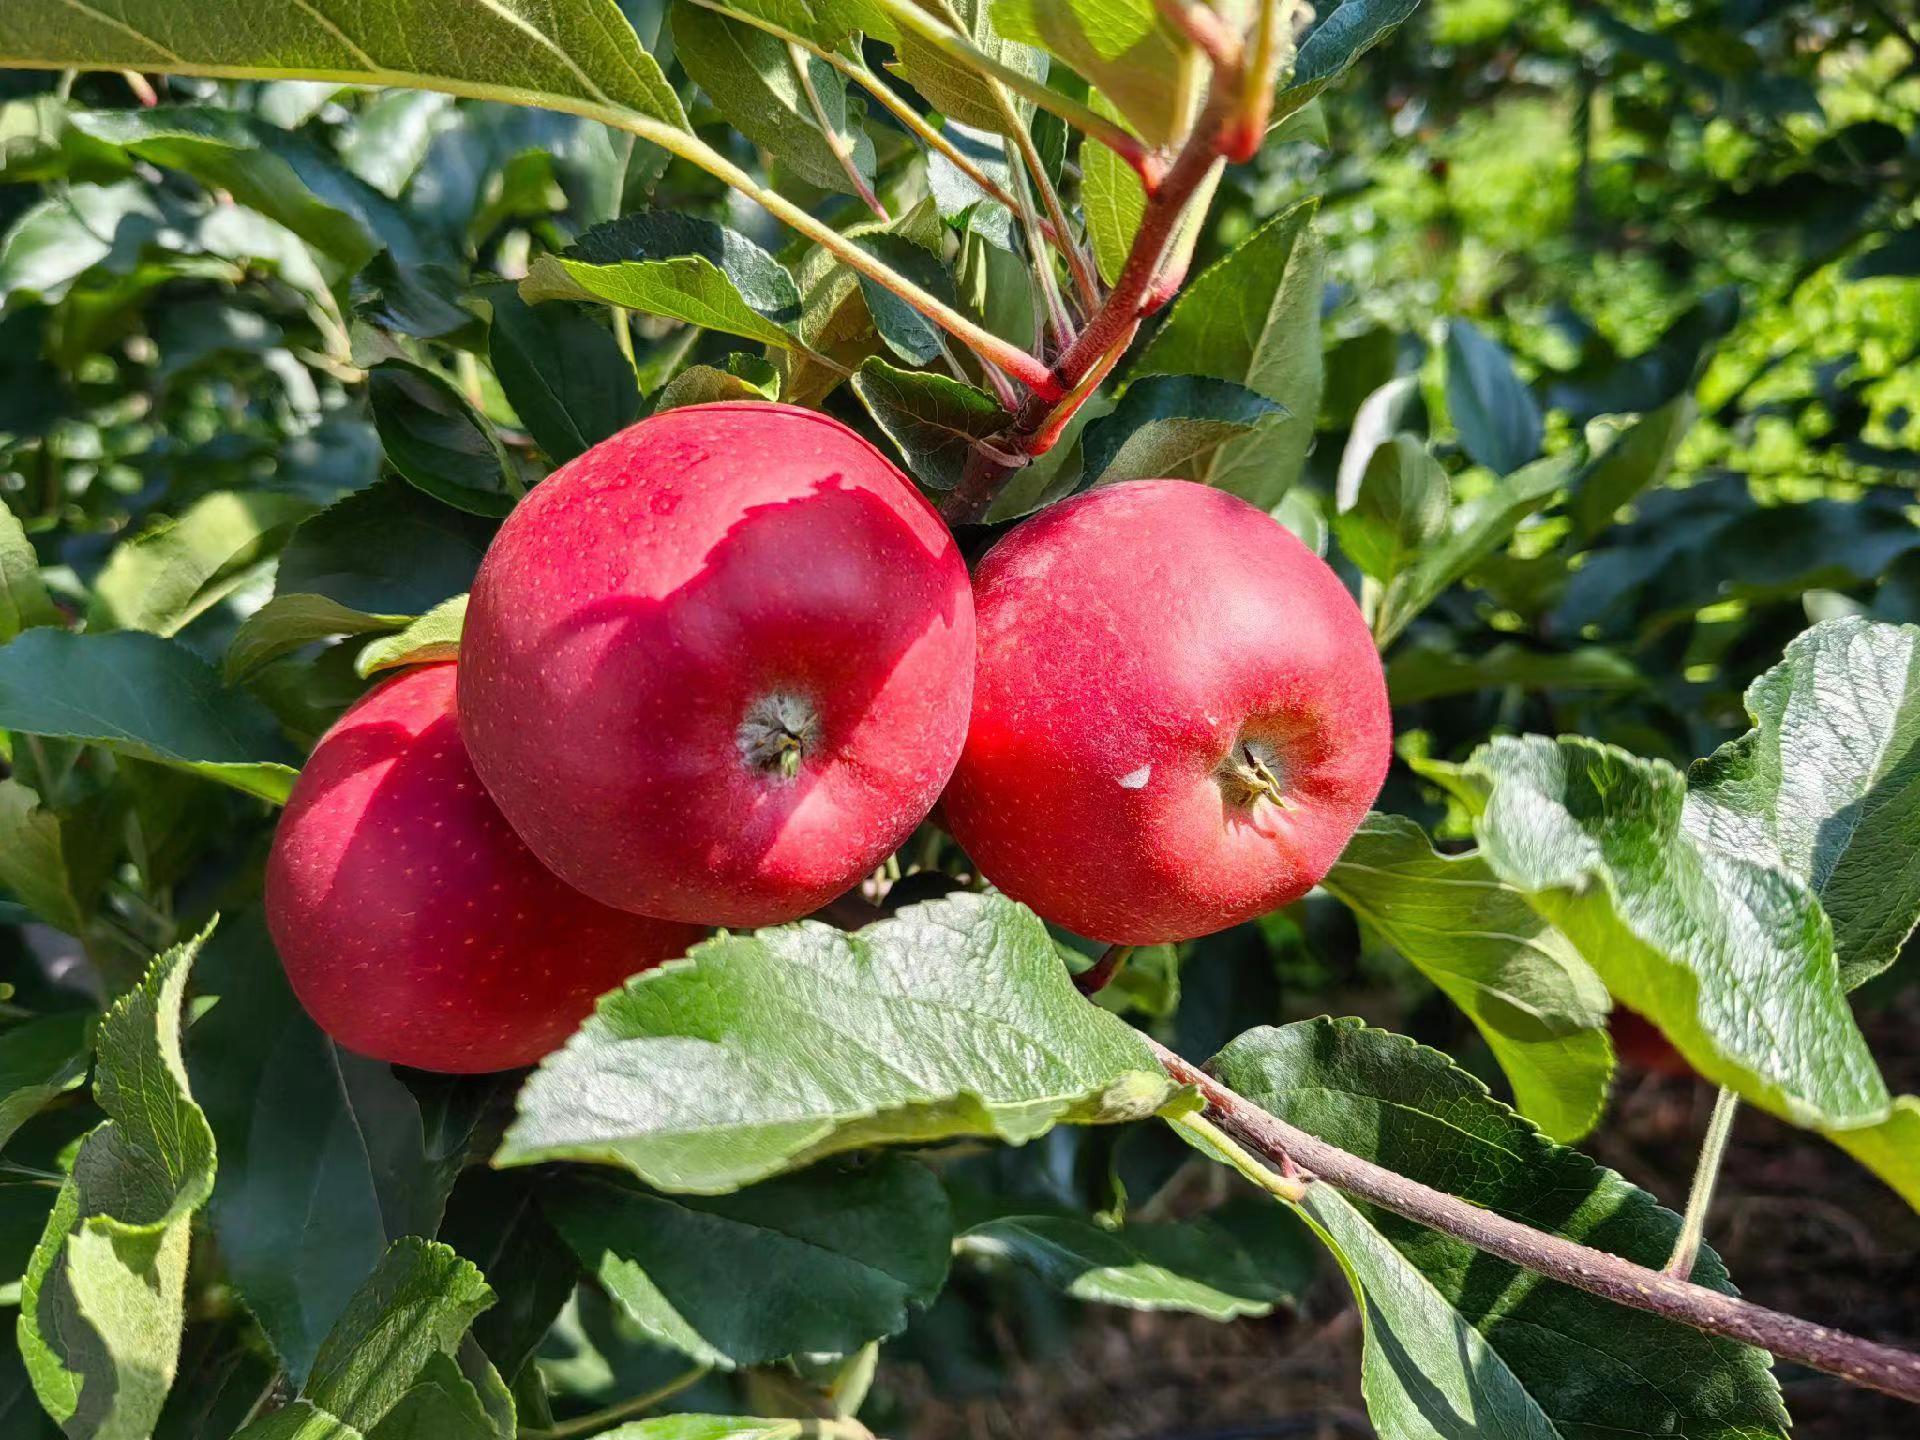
(413, 924)
(718, 667)
(1641, 1045)
(1178, 720)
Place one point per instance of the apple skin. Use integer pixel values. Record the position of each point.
(413, 924)
(1134, 641)
(665, 613)
(1640, 1044)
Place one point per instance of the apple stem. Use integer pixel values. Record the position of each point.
(1097, 976)
(1218, 134)
(1856, 1360)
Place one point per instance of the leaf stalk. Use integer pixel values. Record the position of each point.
(1713, 1151)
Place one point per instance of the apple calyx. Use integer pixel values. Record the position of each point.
(1251, 773)
(777, 735)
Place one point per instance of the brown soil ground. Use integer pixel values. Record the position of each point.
(1802, 1228)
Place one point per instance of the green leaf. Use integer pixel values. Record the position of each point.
(53, 863)
(445, 1404)
(102, 1303)
(494, 1217)
(1190, 1265)
(1628, 459)
(1113, 199)
(436, 438)
(562, 371)
(140, 695)
(708, 1427)
(1827, 783)
(1254, 318)
(906, 331)
(1499, 421)
(678, 266)
(1419, 672)
(323, 1157)
(282, 175)
(1400, 509)
(290, 622)
(1730, 955)
(933, 420)
(176, 570)
(578, 55)
(387, 550)
(299, 1421)
(1540, 1007)
(417, 1304)
(954, 1017)
(38, 1060)
(1165, 422)
(752, 76)
(956, 90)
(434, 636)
(24, 601)
(1476, 529)
(1458, 1343)
(747, 377)
(1343, 35)
(837, 1254)
(1123, 46)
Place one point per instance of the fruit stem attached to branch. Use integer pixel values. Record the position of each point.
(1858, 1361)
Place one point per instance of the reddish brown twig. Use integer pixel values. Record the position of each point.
(1858, 1361)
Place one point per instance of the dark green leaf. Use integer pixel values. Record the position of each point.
(562, 372)
(1476, 529)
(39, 1060)
(755, 78)
(102, 1304)
(1424, 672)
(1254, 318)
(1627, 462)
(144, 696)
(173, 572)
(1165, 422)
(1498, 419)
(1461, 1344)
(289, 622)
(496, 1219)
(1343, 35)
(957, 90)
(283, 176)
(1540, 1007)
(954, 1017)
(933, 419)
(53, 863)
(322, 1153)
(436, 438)
(1190, 1265)
(1401, 508)
(387, 550)
(678, 266)
(906, 330)
(837, 1254)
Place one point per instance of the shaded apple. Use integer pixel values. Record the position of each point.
(718, 667)
(414, 925)
(1179, 716)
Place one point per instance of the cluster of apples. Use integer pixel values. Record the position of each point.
(718, 668)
